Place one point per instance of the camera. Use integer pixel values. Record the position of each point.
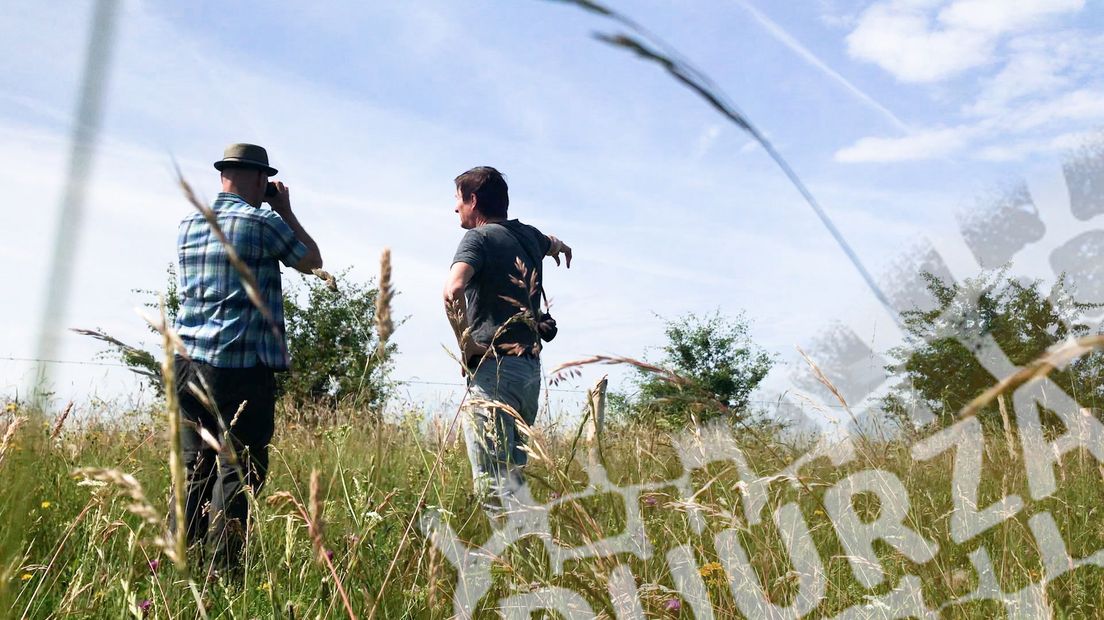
(270, 190)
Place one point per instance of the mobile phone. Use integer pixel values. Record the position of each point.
(270, 190)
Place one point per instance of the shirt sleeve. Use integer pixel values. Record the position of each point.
(470, 250)
(280, 241)
(543, 242)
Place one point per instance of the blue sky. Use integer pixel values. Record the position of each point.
(896, 113)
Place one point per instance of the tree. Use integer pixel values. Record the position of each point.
(334, 346)
(331, 336)
(1024, 321)
(717, 355)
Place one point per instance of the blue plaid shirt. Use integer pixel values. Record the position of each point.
(216, 321)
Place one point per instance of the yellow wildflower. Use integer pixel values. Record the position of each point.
(709, 569)
(26, 576)
(267, 587)
(46, 505)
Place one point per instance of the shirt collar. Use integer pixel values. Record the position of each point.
(229, 197)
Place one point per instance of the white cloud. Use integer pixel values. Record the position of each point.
(1039, 67)
(900, 40)
(1039, 78)
(1019, 150)
(919, 145)
(706, 140)
(929, 40)
(1012, 135)
(835, 16)
(999, 16)
(1085, 104)
(1034, 68)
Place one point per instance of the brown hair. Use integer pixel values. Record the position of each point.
(489, 187)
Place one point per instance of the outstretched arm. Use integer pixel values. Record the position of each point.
(559, 247)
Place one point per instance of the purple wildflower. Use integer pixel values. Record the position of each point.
(329, 554)
(554, 495)
(673, 604)
(650, 500)
(145, 606)
(154, 565)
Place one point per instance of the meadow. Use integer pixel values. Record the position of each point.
(338, 526)
(366, 516)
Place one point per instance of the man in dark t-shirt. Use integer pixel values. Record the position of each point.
(492, 297)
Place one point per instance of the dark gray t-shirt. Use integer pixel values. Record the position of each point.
(493, 251)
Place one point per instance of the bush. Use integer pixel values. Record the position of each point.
(331, 336)
(334, 346)
(1024, 321)
(716, 353)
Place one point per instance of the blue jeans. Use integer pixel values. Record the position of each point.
(495, 443)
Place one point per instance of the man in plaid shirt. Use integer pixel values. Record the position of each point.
(233, 350)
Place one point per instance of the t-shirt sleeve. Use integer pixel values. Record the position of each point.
(280, 241)
(470, 250)
(543, 242)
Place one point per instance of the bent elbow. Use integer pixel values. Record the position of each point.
(311, 260)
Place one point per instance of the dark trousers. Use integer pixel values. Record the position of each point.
(217, 508)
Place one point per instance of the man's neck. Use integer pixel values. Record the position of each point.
(233, 190)
(483, 221)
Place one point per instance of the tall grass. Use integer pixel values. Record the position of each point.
(73, 546)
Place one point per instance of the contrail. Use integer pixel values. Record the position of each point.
(784, 38)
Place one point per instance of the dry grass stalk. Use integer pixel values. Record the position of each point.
(315, 522)
(61, 421)
(161, 326)
(312, 517)
(1056, 357)
(455, 313)
(176, 455)
(1007, 427)
(820, 376)
(596, 401)
(201, 395)
(9, 435)
(237, 415)
(653, 49)
(559, 375)
(142, 358)
(384, 325)
(139, 504)
(456, 318)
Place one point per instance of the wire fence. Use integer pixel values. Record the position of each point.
(33, 360)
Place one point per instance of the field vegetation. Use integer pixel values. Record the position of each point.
(82, 506)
